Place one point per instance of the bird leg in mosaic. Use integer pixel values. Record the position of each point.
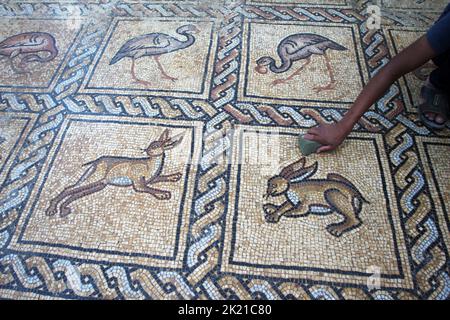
(161, 69)
(332, 84)
(296, 73)
(18, 70)
(136, 79)
(141, 186)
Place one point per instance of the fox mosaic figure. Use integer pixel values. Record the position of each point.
(137, 173)
(305, 196)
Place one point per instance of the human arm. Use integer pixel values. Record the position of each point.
(414, 56)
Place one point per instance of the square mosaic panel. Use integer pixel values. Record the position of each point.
(332, 79)
(37, 66)
(64, 218)
(148, 150)
(302, 243)
(184, 71)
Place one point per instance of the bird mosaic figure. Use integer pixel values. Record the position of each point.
(31, 47)
(154, 45)
(301, 46)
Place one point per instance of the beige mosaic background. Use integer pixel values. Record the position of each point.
(398, 40)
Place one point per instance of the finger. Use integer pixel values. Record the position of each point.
(309, 137)
(324, 149)
(314, 131)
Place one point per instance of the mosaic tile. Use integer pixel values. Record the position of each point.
(145, 149)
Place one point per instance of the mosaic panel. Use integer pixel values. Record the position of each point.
(272, 72)
(181, 68)
(32, 51)
(15, 128)
(313, 228)
(410, 84)
(74, 211)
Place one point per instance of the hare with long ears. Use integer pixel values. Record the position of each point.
(304, 196)
(137, 173)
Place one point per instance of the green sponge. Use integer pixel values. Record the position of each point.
(308, 147)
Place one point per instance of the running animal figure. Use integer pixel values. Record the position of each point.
(304, 196)
(138, 173)
(301, 46)
(31, 47)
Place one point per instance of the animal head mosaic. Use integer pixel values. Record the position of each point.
(126, 125)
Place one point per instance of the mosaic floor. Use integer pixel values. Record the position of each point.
(145, 149)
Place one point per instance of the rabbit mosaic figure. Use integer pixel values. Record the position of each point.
(305, 196)
(138, 173)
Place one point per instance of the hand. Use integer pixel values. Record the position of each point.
(329, 135)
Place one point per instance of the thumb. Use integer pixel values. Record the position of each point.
(325, 149)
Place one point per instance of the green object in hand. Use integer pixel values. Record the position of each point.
(308, 147)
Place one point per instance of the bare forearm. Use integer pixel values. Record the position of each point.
(408, 60)
(373, 91)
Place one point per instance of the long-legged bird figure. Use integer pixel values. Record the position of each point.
(300, 46)
(154, 45)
